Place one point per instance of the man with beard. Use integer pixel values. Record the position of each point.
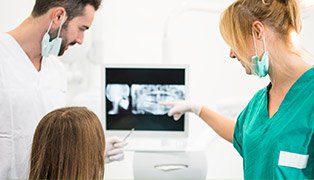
(32, 80)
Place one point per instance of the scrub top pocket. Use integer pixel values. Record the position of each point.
(293, 163)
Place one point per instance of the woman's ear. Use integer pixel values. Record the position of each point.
(258, 29)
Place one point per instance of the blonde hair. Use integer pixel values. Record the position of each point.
(281, 16)
(68, 143)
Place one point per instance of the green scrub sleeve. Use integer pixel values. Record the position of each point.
(238, 133)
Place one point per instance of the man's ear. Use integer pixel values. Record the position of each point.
(258, 29)
(58, 15)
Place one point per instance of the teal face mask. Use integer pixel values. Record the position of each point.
(260, 65)
(51, 47)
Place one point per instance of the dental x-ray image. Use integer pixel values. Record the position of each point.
(118, 95)
(132, 97)
(146, 98)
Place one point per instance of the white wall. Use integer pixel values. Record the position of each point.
(14, 12)
(131, 32)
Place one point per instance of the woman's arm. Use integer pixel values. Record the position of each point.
(222, 125)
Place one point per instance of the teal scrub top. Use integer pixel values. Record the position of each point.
(280, 147)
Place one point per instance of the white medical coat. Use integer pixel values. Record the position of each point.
(26, 95)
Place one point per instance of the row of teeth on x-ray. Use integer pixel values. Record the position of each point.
(145, 98)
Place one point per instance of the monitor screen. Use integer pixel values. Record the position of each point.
(132, 94)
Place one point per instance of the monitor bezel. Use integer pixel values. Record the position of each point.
(143, 133)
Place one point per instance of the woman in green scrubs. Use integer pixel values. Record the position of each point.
(274, 133)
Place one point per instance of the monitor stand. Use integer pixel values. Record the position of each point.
(156, 144)
(189, 165)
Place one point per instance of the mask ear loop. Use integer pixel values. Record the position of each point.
(254, 42)
(49, 26)
(264, 44)
(62, 21)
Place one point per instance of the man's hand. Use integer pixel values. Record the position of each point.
(114, 149)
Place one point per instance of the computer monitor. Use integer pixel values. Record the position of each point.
(131, 96)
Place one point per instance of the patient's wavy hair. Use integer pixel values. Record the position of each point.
(68, 143)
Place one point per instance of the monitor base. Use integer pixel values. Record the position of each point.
(189, 165)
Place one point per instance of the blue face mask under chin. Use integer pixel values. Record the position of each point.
(51, 47)
(260, 66)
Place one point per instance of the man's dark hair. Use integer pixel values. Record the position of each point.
(73, 8)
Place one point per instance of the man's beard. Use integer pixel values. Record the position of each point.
(64, 44)
(62, 48)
